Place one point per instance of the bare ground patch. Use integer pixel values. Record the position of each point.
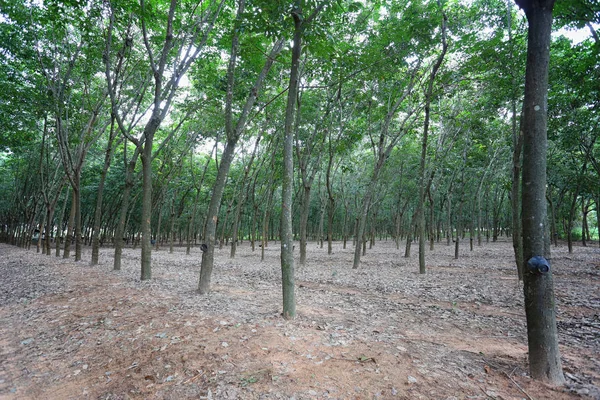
(72, 331)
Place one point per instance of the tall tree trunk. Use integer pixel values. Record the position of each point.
(422, 183)
(584, 225)
(321, 219)
(120, 231)
(146, 225)
(449, 232)
(59, 223)
(233, 135)
(70, 226)
(38, 246)
(544, 355)
(98, 211)
(211, 224)
(330, 213)
(78, 227)
(287, 244)
(362, 219)
(304, 210)
(172, 229)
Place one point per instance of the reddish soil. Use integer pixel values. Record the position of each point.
(73, 331)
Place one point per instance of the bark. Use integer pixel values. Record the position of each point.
(544, 355)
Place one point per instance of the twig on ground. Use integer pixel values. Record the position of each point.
(517, 385)
(193, 378)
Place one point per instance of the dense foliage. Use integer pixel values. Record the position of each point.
(81, 89)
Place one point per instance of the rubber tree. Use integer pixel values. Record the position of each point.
(422, 182)
(241, 198)
(183, 35)
(233, 134)
(287, 185)
(382, 148)
(98, 212)
(74, 137)
(309, 155)
(544, 355)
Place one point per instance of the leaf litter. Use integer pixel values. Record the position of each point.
(71, 330)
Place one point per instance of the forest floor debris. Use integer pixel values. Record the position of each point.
(73, 331)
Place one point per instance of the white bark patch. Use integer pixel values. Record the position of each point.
(536, 108)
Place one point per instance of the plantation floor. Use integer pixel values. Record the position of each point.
(72, 331)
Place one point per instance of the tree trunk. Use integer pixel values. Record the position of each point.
(146, 267)
(98, 211)
(233, 135)
(59, 223)
(585, 232)
(422, 184)
(321, 219)
(544, 355)
(68, 236)
(172, 229)
(362, 219)
(287, 184)
(78, 228)
(304, 210)
(212, 215)
(120, 231)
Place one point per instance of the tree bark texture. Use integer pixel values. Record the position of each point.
(544, 356)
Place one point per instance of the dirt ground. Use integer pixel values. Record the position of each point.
(72, 331)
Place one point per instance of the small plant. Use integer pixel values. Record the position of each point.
(248, 380)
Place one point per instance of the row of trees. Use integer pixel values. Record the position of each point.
(210, 122)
